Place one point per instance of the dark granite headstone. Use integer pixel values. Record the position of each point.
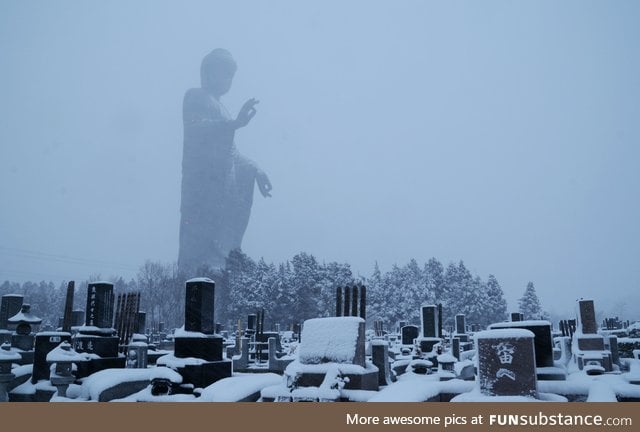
(613, 347)
(142, 322)
(401, 324)
(461, 326)
(354, 301)
(517, 316)
(506, 363)
(45, 342)
(543, 339)
(429, 318)
(587, 317)
(409, 333)
(9, 306)
(252, 322)
(380, 359)
(199, 304)
(100, 305)
(347, 301)
(455, 348)
(77, 318)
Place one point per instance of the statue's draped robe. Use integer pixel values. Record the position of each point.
(217, 185)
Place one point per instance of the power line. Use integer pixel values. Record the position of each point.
(44, 256)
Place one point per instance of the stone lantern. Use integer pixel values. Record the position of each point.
(7, 358)
(63, 357)
(137, 354)
(24, 321)
(445, 366)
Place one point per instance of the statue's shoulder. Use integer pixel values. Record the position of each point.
(198, 100)
(195, 97)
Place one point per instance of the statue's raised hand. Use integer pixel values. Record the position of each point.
(246, 113)
(263, 183)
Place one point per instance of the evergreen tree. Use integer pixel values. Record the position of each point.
(496, 303)
(306, 286)
(376, 296)
(434, 275)
(530, 304)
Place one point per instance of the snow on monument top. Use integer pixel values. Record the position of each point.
(200, 279)
(504, 333)
(331, 339)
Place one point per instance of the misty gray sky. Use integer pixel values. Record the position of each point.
(505, 134)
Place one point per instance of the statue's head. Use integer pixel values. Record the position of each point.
(217, 71)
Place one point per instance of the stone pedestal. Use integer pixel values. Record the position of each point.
(206, 348)
(426, 344)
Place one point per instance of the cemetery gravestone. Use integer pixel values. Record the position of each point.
(409, 334)
(506, 363)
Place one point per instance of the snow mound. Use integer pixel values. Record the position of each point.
(329, 340)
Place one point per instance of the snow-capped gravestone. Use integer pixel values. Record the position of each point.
(590, 351)
(333, 342)
(506, 363)
(45, 343)
(97, 336)
(543, 340)
(198, 354)
(9, 306)
(429, 320)
(461, 328)
(409, 334)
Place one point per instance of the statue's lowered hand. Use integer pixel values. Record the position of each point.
(246, 113)
(263, 184)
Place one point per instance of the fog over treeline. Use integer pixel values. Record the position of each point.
(300, 288)
(502, 134)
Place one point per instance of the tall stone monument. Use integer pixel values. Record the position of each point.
(217, 181)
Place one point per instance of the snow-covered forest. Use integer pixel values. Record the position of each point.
(298, 289)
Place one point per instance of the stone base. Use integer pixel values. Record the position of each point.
(592, 343)
(122, 390)
(551, 374)
(205, 374)
(206, 348)
(427, 344)
(601, 358)
(366, 381)
(27, 357)
(5, 336)
(22, 397)
(43, 395)
(104, 346)
(96, 365)
(23, 342)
